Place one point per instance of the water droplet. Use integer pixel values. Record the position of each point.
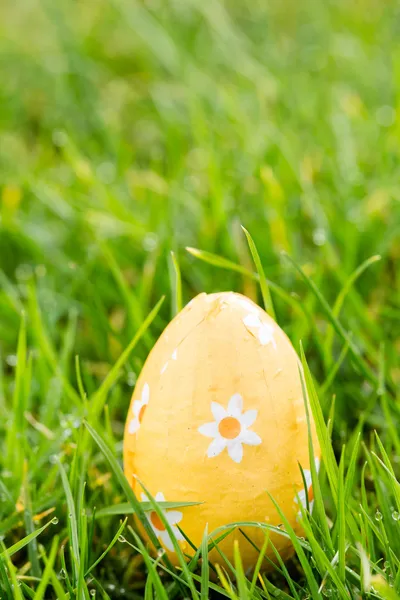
(150, 241)
(131, 378)
(327, 592)
(378, 516)
(386, 564)
(121, 539)
(53, 459)
(63, 574)
(160, 552)
(54, 520)
(395, 515)
(93, 593)
(23, 272)
(11, 360)
(319, 236)
(40, 270)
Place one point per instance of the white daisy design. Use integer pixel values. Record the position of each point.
(246, 304)
(172, 516)
(174, 356)
(138, 409)
(230, 429)
(304, 494)
(265, 331)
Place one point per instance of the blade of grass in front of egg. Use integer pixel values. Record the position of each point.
(321, 428)
(268, 305)
(316, 486)
(341, 519)
(126, 509)
(178, 550)
(151, 567)
(123, 482)
(241, 580)
(299, 551)
(205, 569)
(293, 585)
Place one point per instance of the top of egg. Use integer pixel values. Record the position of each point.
(218, 417)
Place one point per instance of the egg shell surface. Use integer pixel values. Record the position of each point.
(218, 417)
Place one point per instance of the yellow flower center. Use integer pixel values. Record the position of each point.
(141, 413)
(229, 428)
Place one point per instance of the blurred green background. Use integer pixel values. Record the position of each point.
(129, 129)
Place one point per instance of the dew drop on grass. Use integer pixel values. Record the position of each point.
(121, 539)
(161, 552)
(386, 564)
(63, 574)
(395, 515)
(54, 520)
(327, 592)
(378, 516)
(93, 592)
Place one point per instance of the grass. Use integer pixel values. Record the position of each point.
(136, 139)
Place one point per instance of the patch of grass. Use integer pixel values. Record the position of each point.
(130, 131)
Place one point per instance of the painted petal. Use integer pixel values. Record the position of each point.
(145, 393)
(134, 425)
(235, 451)
(251, 320)
(307, 477)
(250, 438)
(173, 516)
(159, 497)
(235, 405)
(166, 540)
(301, 496)
(248, 418)
(175, 354)
(178, 534)
(209, 429)
(216, 447)
(218, 411)
(137, 405)
(247, 305)
(266, 334)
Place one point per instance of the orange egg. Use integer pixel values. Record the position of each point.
(218, 417)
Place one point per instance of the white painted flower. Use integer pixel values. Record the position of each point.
(307, 493)
(230, 429)
(265, 331)
(246, 304)
(138, 409)
(173, 517)
(174, 356)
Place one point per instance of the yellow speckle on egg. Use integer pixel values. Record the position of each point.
(218, 417)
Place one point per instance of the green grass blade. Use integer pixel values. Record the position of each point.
(175, 283)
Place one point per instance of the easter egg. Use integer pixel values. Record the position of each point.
(218, 417)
